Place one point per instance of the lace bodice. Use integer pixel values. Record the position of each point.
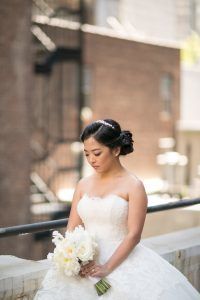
(106, 217)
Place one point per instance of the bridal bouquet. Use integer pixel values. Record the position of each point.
(73, 250)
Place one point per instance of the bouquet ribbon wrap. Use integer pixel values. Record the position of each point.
(101, 285)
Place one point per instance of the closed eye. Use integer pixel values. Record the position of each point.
(97, 154)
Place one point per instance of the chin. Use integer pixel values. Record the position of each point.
(101, 170)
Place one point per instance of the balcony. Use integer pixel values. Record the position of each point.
(20, 279)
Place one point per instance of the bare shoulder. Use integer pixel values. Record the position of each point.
(83, 183)
(133, 180)
(85, 180)
(135, 186)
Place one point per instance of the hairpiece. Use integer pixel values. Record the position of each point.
(105, 123)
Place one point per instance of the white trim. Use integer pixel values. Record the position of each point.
(104, 31)
(188, 125)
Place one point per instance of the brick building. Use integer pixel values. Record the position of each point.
(134, 82)
(15, 82)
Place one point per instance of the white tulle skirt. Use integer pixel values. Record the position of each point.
(144, 275)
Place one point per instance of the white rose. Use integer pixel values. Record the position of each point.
(68, 249)
(71, 267)
(85, 251)
(59, 259)
(50, 256)
(57, 237)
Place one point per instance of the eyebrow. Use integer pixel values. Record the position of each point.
(92, 149)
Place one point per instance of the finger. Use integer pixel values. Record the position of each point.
(81, 274)
(88, 266)
(85, 272)
(91, 263)
(96, 274)
(83, 269)
(95, 271)
(91, 269)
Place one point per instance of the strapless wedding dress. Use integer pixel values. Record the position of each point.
(143, 275)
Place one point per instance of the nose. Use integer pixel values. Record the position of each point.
(92, 159)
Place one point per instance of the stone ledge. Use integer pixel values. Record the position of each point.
(20, 278)
(174, 241)
(182, 250)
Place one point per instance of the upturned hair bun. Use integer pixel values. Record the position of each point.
(108, 132)
(126, 142)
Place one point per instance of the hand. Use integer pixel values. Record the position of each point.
(86, 269)
(99, 271)
(94, 270)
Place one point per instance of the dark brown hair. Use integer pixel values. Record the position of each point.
(108, 132)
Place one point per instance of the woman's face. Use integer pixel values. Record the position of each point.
(99, 156)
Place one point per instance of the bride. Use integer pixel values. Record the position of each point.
(112, 204)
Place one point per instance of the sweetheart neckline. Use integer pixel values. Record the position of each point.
(104, 197)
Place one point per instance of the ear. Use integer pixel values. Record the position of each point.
(116, 151)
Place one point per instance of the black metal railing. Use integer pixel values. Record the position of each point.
(50, 225)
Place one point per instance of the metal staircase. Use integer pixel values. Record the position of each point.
(50, 165)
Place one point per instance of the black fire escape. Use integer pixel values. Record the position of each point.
(48, 59)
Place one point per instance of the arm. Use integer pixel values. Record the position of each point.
(135, 223)
(74, 219)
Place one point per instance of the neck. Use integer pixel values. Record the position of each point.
(114, 170)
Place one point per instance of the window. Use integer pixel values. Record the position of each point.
(87, 84)
(166, 93)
